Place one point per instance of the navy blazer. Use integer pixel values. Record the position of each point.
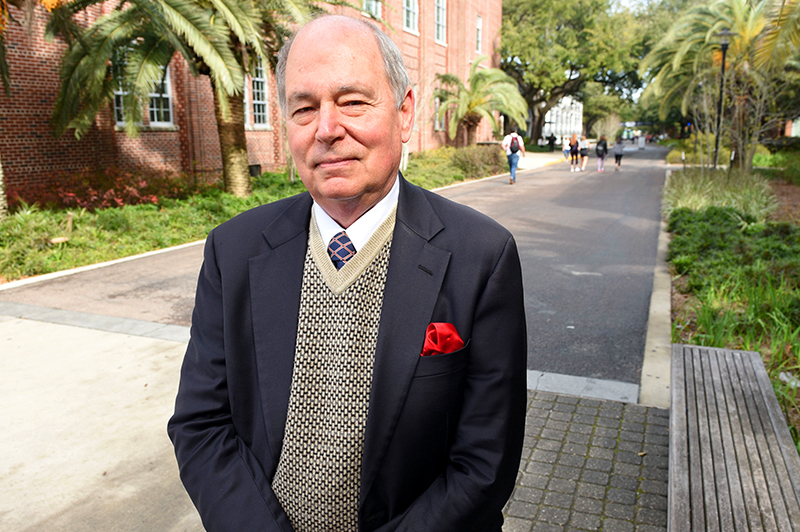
(444, 432)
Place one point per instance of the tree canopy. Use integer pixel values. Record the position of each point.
(552, 47)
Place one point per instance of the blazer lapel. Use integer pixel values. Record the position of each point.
(413, 282)
(275, 282)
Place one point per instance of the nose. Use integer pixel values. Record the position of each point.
(329, 126)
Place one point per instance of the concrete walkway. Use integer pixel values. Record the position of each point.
(87, 393)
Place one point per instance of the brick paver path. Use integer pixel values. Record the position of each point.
(591, 465)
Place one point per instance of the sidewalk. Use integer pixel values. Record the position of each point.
(533, 160)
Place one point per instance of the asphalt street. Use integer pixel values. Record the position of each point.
(587, 242)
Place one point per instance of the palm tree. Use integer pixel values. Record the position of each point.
(782, 38)
(128, 50)
(488, 90)
(691, 51)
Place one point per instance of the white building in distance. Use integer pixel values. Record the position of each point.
(565, 118)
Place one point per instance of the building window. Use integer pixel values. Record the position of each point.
(440, 21)
(119, 117)
(373, 7)
(411, 15)
(478, 34)
(438, 123)
(259, 94)
(161, 102)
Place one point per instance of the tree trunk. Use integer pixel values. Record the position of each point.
(472, 135)
(233, 146)
(537, 123)
(3, 200)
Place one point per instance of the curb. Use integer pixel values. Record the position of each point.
(64, 273)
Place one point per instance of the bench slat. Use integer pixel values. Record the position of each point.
(726, 409)
(740, 443)
(768, 447)
(678, 485)
(788, 461)
(696, 430)
(716, 486)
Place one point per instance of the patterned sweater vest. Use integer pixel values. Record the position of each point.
(319, 471)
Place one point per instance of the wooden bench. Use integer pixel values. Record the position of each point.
(732, 463)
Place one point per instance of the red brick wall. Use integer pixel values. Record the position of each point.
(30, 154)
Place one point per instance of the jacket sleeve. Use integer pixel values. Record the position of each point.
(485, 454)
(224, 479)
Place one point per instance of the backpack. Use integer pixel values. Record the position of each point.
(514, 145)
(601, 148)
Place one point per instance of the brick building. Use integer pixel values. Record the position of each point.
(179, 130)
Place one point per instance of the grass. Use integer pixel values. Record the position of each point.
(35, 240)
(697, 189)
(739, 273)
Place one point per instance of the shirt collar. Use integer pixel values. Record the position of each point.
(362, 229)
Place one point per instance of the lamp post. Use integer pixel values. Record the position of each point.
(724, 35)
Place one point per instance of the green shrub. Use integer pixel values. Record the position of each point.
(480, 161)
(697, 189)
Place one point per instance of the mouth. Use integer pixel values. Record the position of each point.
(332, 163)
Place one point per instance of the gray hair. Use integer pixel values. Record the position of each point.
(392, 62)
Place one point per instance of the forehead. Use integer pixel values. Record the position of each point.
(337, 49)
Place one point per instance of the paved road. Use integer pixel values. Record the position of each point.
(588, 246)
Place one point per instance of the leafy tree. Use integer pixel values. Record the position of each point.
(129, 49)
(599, 102)
(487, 90)
(552, 47)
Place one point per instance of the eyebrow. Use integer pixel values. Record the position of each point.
(353, 88)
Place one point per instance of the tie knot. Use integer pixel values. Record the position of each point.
(341, 249)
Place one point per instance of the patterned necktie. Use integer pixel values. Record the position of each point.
(341, 249)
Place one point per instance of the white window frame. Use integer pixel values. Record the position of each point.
(260, 99)
(411, 16)
(373, 7)
(164, 94)
(479, 34)
(440, 21)
(438, 123)
(119, 115)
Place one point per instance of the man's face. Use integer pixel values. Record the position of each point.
(344, 129)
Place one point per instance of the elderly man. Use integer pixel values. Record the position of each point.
(378, 384)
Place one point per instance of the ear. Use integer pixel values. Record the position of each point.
(407, 112)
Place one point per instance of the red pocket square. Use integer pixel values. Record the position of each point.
(441, 338)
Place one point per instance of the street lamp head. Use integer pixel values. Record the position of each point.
(725, 36)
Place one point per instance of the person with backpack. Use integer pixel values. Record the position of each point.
(514, 146)
(602, 150)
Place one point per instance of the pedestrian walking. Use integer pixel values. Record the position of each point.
(565, 146)
(584, 150)
(602, 150)
(619, 149)
(551, 142)
(574, 153)
(514, 146)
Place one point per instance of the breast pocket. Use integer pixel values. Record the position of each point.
(433, 365)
